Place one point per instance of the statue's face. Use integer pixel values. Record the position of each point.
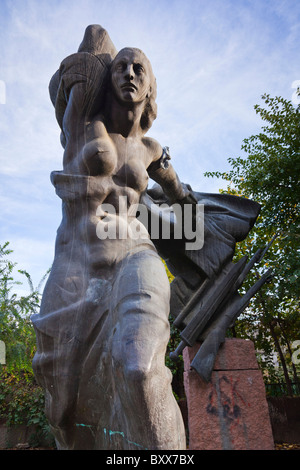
(130, 75)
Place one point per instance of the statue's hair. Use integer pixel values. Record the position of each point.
(98, 65)
(150, 111)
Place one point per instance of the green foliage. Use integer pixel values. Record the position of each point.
(21, 399)
(22, 402)
(15, 326)
(269, 174)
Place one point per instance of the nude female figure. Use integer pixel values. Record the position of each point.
(103, 327)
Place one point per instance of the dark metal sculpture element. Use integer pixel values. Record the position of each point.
(212, 309)
(205, 298)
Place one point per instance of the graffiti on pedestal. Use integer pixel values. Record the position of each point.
(225, 400)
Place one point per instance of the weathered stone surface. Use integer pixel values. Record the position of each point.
(230, 412)
(103, 329)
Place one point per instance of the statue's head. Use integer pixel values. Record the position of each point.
(133, 81)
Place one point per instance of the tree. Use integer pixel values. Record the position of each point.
(269, 174)
(16, 329)
(21, 399)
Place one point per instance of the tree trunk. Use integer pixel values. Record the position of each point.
(276, 342)
(282, 359)
(296, 379)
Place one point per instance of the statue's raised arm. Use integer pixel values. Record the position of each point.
(78, 88)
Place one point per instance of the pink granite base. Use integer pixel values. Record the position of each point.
(231, 411)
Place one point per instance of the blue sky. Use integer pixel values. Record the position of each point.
(212, 60)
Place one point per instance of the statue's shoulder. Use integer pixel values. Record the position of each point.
(153, 146)
(96, 127)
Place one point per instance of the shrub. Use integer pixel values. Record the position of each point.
(22, 402)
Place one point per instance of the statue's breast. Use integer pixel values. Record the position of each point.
(133, 174)
(123, 159)
(100, 157)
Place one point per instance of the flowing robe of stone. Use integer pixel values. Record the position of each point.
(93, 322)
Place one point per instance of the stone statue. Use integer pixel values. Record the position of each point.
(103, 327)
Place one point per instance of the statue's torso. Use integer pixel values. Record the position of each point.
(101, 185)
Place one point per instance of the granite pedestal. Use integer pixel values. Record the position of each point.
(230, 412)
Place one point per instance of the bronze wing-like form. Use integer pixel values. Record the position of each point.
(205, 299)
